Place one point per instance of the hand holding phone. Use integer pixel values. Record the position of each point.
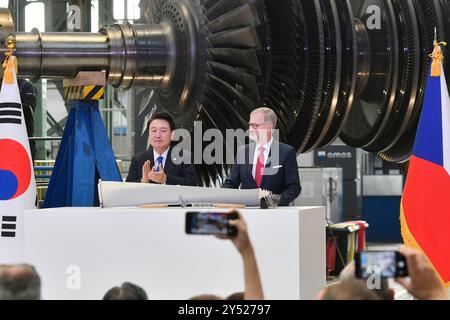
(388, 264)
(425, 283)
(211, 223)
(242, 239)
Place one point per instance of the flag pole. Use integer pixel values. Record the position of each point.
(11, 45)
(437, 56)
(10, 61)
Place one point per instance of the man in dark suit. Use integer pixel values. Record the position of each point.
(159, 164)
(266, 163)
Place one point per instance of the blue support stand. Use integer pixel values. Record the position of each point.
(85, 156)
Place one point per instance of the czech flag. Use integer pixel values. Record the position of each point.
(17, 183)
(425, 207)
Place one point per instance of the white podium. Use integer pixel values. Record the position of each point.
(82, 252)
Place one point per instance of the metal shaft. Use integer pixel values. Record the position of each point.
(162, 55)
(131, 55)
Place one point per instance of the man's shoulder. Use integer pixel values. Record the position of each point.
(246, 147)
(180, 156)
(179, 151)
(143, 155)
(243, 154)
(285, 148)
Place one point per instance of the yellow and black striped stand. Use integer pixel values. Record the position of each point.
(90, 92)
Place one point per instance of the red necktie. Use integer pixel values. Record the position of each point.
(259, 167)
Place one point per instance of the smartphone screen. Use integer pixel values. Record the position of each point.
(388, 264)
(209, 223)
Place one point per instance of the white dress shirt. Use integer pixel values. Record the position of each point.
(267, 147)
(164, 155)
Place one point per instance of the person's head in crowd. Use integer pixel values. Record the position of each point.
(206, 297)
(232, 297)
(350, 289)
(262, 123)
(424, 282)
(19, 282)
(160, 130)
(383, 291)
(236, 296)
(127, 291)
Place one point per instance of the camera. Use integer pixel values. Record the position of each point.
(388, 264)
(207, 223)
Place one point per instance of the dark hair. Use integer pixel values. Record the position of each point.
(236, 296)
(162, 116)
(351, 289)
(19, 282)
(206, 297)
(128, 291)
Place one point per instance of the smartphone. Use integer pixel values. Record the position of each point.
(389, 264)
(205, 223)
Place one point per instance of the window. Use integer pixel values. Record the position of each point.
(35, 16)
(133, 11)
(94, 16)
(4, 3)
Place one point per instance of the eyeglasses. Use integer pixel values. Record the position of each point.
(256, 125)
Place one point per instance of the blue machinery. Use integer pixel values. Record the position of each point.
(85, 154)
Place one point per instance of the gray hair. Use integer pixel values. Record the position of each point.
(19, 282)
(269, 115)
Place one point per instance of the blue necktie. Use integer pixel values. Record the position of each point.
(159, 161)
